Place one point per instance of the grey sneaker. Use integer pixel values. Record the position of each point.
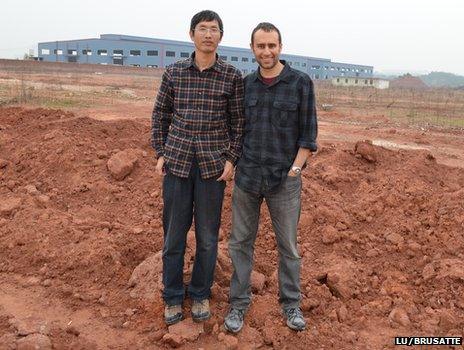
(200, 310)
(295, 319)
(172, 314)
(234, 320)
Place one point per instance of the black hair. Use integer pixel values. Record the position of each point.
(267, 27)
(207, 16)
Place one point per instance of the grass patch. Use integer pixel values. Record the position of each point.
(417, 118)
(61, 103)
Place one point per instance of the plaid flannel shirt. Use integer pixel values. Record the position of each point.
(280, 118)
(199, 114)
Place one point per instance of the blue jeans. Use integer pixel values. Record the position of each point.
(284, 205)
(185, 199)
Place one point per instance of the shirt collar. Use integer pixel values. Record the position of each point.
(285, 74)
(217, 66)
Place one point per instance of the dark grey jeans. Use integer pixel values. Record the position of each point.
(185, 199)
(284, 206)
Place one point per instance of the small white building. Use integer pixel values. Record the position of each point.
(361, 82)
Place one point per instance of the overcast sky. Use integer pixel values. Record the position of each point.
(407, 35)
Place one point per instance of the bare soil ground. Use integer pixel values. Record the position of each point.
(381, 231)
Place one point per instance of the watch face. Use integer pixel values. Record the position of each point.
(296, 170)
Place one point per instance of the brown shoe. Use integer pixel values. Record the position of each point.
(200, 310)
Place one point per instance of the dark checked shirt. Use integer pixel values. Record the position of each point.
(199, 114)
(280, 118)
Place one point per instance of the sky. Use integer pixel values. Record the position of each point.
(416, 36)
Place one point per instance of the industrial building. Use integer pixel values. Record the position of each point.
(362, 82)
(158, 53)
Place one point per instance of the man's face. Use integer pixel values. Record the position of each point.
(266, 48)
(206, 36)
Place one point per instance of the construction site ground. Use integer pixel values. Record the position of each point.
(380, 236)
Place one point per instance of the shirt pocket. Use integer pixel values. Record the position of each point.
(216, 103)
(284, 113)
(251, 110)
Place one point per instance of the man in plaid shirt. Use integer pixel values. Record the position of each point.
(280, 134)
(197, 128)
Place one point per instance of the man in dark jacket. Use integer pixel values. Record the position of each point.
(280, 134)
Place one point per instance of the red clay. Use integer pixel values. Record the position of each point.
(381, 236)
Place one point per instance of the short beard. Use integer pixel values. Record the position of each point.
(275, 62)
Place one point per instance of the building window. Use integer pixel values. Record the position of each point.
(224, 58)
(317, 76)
(152, 65)
(58, 52)
(332, 68)
(118, 52)
(45, 52)
(244, 59)
(234, 59)
(253, 60)
(338, 80)
(170, 54)
(152, 53)
(297, 64)
(135, 65)
(102, 53)
(356, 81)
(184, 54)
(365, 81)
(371, 82)
(72, 52)
(245, 71)
(346, 81)
(303, 64)
(87, 52)
(289, 63)
(134, 52)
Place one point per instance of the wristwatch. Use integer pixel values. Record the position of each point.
(296, 170)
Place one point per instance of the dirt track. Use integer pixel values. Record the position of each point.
(381, 236)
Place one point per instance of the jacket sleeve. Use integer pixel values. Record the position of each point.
(307, 116)
(162, 113)
(236, 120)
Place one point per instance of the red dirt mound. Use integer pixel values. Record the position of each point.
(380, 238)
(408, 81)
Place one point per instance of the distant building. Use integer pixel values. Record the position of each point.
(158, 53)
(361, 81)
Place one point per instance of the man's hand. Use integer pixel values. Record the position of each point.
(227, 173)
(159, 166)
